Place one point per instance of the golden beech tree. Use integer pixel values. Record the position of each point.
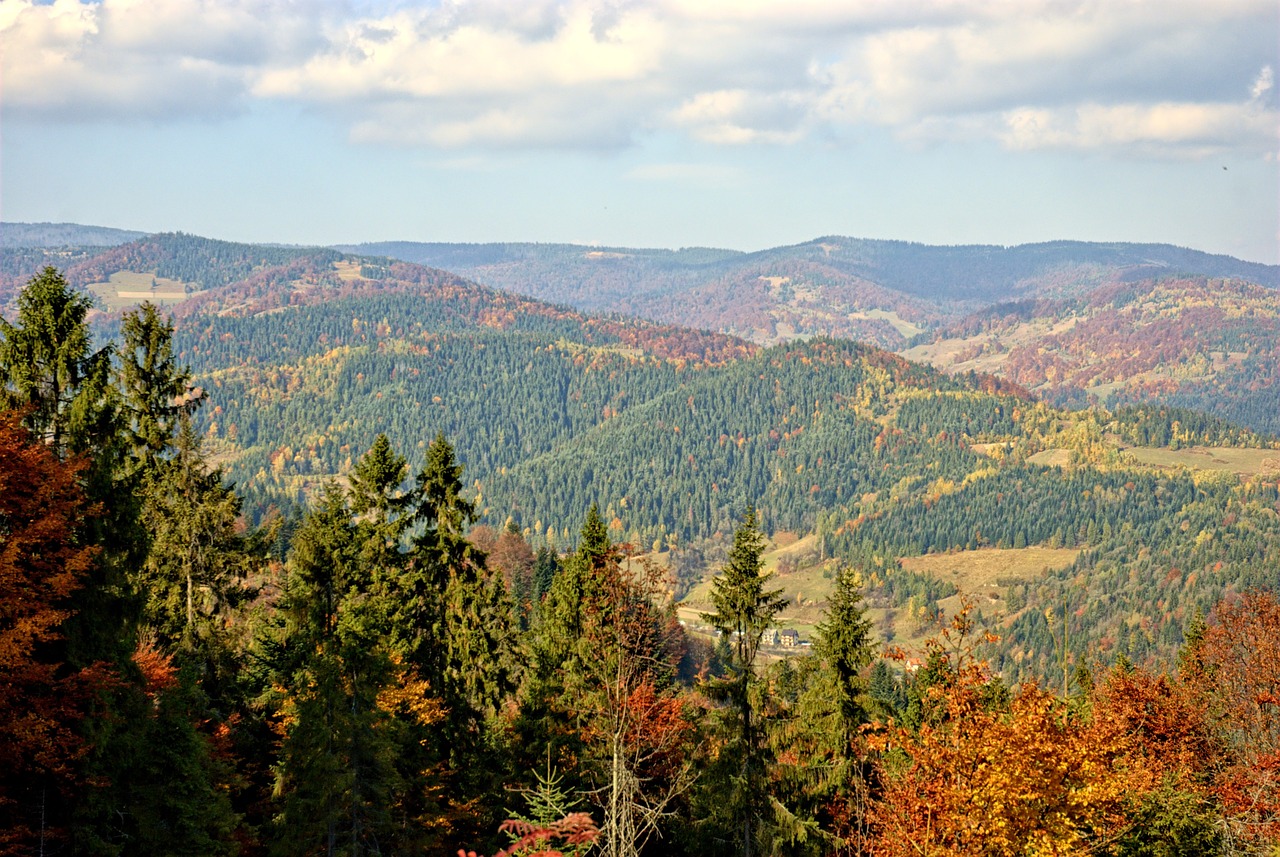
(41, 566)
(1036, 775)
(996, 782)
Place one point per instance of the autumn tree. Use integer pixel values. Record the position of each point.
(1235, 665)
(634, 720)
(42, 564)
(986, 773)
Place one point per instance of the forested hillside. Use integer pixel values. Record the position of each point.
(308, 354)
(1070, 321)
(1201, 343)
(384, 673)
(673, 432)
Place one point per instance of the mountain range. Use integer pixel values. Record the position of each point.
(1073, 322)
(1135, 516)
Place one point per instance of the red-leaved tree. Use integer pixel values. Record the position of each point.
(41, 699)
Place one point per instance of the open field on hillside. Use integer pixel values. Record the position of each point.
(981, 576)
(900, 324)
(1246, 462)
(130, 288)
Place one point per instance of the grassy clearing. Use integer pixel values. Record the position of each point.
(1218, 459)
(1051, 458)
(348, 271)
(130, 288)
(981, 576)
(906, 328)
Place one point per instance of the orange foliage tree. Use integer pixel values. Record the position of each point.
(1040, 775)
(1235, 665)
(41, 566)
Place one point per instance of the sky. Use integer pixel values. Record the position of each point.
(656, 123)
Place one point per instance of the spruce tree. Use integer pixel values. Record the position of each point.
(157, 393)
(336, 773)
(744, 610)
(844, 644)
(47, 366)
(458, 617)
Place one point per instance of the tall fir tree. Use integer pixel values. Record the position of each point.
(336, 769)
(744, 610)
(48, 367)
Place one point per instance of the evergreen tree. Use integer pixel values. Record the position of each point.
(844, 644)
(479, 652)
(198, 557)
(744, 610)
(158, 396)
(468, 653)
(545, 565)
(336, 771)
(832, 775)
(46, 366)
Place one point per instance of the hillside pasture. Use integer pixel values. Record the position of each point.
(130, 288)
(1216, 459)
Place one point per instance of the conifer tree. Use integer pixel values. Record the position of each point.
(829, 775)
(478, 664)
(744, 610)
(844, 644)
(457, 618)
(48, 367)
(157, 393)
(336, 773)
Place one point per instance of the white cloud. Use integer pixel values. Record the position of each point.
(1170, 128)
(1263, 84)
(1181, 76)
(123, 59)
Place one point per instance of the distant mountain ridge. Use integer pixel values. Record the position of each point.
(49, 235)
(949, 275)
(1073, 322)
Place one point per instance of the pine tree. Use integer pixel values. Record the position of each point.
(845, 646)
(744, 610)
(46, 366)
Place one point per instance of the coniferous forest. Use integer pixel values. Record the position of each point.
(397, 569)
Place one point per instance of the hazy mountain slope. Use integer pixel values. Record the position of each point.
(51, 235)
(1197, 342)
(882, 291)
